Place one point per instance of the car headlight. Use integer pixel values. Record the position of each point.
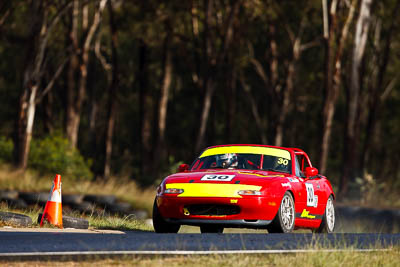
(173, 191)
(249, 192)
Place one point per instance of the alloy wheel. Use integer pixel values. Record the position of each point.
(330, 214)
(287, 212)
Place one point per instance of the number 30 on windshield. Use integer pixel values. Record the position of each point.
(283, 161)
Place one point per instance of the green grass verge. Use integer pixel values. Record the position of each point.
(386, 258)
(123, 188)
(126, 223)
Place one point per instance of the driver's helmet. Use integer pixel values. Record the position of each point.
(227, 160)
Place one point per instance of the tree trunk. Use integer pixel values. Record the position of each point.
(231, 103)
(5, 11)
(328, 108)
(27, 102)
(273, 89)
(145, 111)
(70, 125)
(213, 58)
(209, 91)
(208, 87)
(377, 95)
(254, 110)
(166, 83)
(332, 78)
(36, 47)
(351, 134)
(48, 118)
(30, 119)
(112, 94)
(25, 124)
(76, 95)
(284, 108)
(160, 153)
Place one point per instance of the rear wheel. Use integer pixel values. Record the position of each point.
(160, 225)
(328, 219)
(211, 229)
(284, 219)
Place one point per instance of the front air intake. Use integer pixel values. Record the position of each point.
(212, 209)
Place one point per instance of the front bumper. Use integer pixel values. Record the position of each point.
(256, 224)
(254, 211)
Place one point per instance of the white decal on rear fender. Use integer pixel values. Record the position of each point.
(217, 178)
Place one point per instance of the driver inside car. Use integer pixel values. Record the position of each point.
(227, 161)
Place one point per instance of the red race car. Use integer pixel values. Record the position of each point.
(246, 186)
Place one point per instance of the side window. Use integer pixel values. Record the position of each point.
(303, 163)
(298, 171)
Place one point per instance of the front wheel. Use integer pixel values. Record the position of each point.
(328, 219)
(211, 229)
(160, 225)
(284, 219)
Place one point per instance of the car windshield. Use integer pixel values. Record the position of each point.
(276, 160)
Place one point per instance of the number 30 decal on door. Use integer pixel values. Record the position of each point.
(312, 200)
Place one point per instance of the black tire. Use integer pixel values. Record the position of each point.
(119, 208)
(84, 206)
(328, 222)
(160, 225)
(101, 200)
(284, 219)
(15, 203)
(70, 222)
(15, 218)
(72, 199)
(9, 194)
(34, 198)
(73, 222)
(211, 229)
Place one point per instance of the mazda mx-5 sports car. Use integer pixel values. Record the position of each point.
(246, 186)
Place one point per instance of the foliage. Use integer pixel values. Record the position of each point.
(6, 149)
(369, 188)
(53, 154)
(250, 80)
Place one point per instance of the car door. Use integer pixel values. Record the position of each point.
(312, 188)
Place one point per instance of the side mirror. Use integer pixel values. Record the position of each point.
(183, 168)
(310, 172)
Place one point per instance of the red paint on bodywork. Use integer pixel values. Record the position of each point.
(265, 207)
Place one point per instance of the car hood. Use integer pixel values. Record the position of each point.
(228, 177)
(225, 183)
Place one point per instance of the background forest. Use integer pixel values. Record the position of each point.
(130, 88)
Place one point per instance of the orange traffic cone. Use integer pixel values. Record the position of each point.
(53, 209)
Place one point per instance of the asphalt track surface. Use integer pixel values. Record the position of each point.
(56, 243)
